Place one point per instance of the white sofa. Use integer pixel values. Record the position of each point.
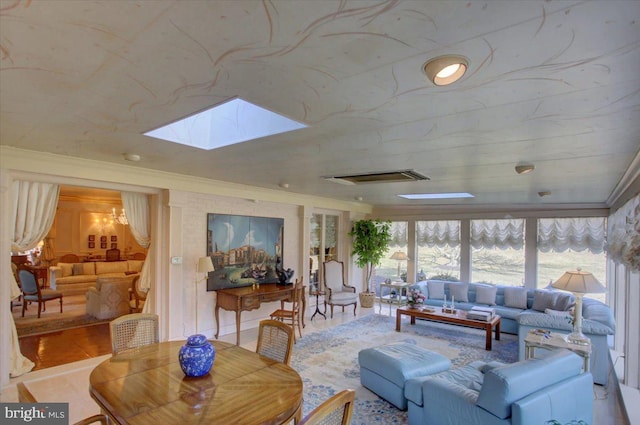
(77, 278)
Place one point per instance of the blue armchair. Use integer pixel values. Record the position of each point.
(529, 392)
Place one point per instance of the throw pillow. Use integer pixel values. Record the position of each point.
(78, 269)
(436, 290)
(563, 302)
(543, 299)
(459, 291)
(486, 294)
(515, 297)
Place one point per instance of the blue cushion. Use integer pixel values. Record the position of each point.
(401, 361)
(504, 385)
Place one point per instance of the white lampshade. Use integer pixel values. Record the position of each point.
(205, 265)
(400, 256)
(579, 282)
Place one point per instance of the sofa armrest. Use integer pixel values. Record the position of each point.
(537, 319)
(564, 402)
(54, 273)
(443, 400)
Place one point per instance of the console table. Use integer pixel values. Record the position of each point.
(246, 298)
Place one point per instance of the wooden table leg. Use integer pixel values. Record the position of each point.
(217, 321)
(398, 320)
(238, 326)
(487, 345)
(498, 331)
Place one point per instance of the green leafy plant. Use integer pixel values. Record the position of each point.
(445, 276)
(371, 239)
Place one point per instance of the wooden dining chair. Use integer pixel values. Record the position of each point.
(69, 258)
(335, 411)
(25, 396)
(31, 292)
(275, 340)
(132, 331)
(137, 297)
(292, 316)
(112, 254)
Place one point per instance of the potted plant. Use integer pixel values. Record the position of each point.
(370, 241)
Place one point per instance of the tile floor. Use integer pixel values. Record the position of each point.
(69, 382)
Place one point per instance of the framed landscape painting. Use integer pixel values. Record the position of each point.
(243, 249)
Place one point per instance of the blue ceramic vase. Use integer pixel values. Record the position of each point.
(196, 356)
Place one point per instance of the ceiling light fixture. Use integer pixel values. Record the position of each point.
(525, 168)
(544, 193)
(445, 70)
(284, 185)
(131, 157)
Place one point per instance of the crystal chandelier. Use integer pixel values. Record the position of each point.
(120, 219)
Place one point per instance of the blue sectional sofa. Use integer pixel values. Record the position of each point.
(542, 310)
(529, 392)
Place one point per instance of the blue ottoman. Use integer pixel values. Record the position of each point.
(385, 369)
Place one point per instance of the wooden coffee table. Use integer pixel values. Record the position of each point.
(459, 318)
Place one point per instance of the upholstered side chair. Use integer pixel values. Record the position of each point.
(31, 292)
(337, 293)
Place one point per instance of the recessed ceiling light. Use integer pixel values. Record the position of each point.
(544, 193)
(284, 185)
(228, 123)
(436, 195)
(445, 70)
(525, 168)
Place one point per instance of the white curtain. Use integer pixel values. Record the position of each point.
(32, 213)
(577, 234)
(503, 234)
(136, 206)
(399, 233)
(623, 236)
(441, 233)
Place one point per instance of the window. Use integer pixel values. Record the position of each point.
(438, 249)
(497, 251)
(389, 267)
(568, 244)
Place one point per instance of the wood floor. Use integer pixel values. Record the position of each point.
(67, 346)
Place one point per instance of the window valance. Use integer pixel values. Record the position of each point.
(399, 233)
(577, 234)
(503, 233)
(438, 233)
(623, 240)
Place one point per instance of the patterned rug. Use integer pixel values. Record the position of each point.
(328, 360)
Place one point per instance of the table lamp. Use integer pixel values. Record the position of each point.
(205, 265)
(400, 256)
(579, 283)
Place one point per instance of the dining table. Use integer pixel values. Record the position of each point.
(146, 385)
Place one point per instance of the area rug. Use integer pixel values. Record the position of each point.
(32, 328)
(74, 315)
(328, 360)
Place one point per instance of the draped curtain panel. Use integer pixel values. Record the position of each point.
(503, 234)
(623, 235)
(32, 213)
(136, 206)
(399, 234)
(440, 233)
(577, 234)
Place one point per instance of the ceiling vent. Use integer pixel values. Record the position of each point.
(379, 177)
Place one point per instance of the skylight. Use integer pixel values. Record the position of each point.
(232, 122)
(436, 195)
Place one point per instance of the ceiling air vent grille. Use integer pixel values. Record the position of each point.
(379, 177)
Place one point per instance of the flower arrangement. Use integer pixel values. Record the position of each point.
(414, 297)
